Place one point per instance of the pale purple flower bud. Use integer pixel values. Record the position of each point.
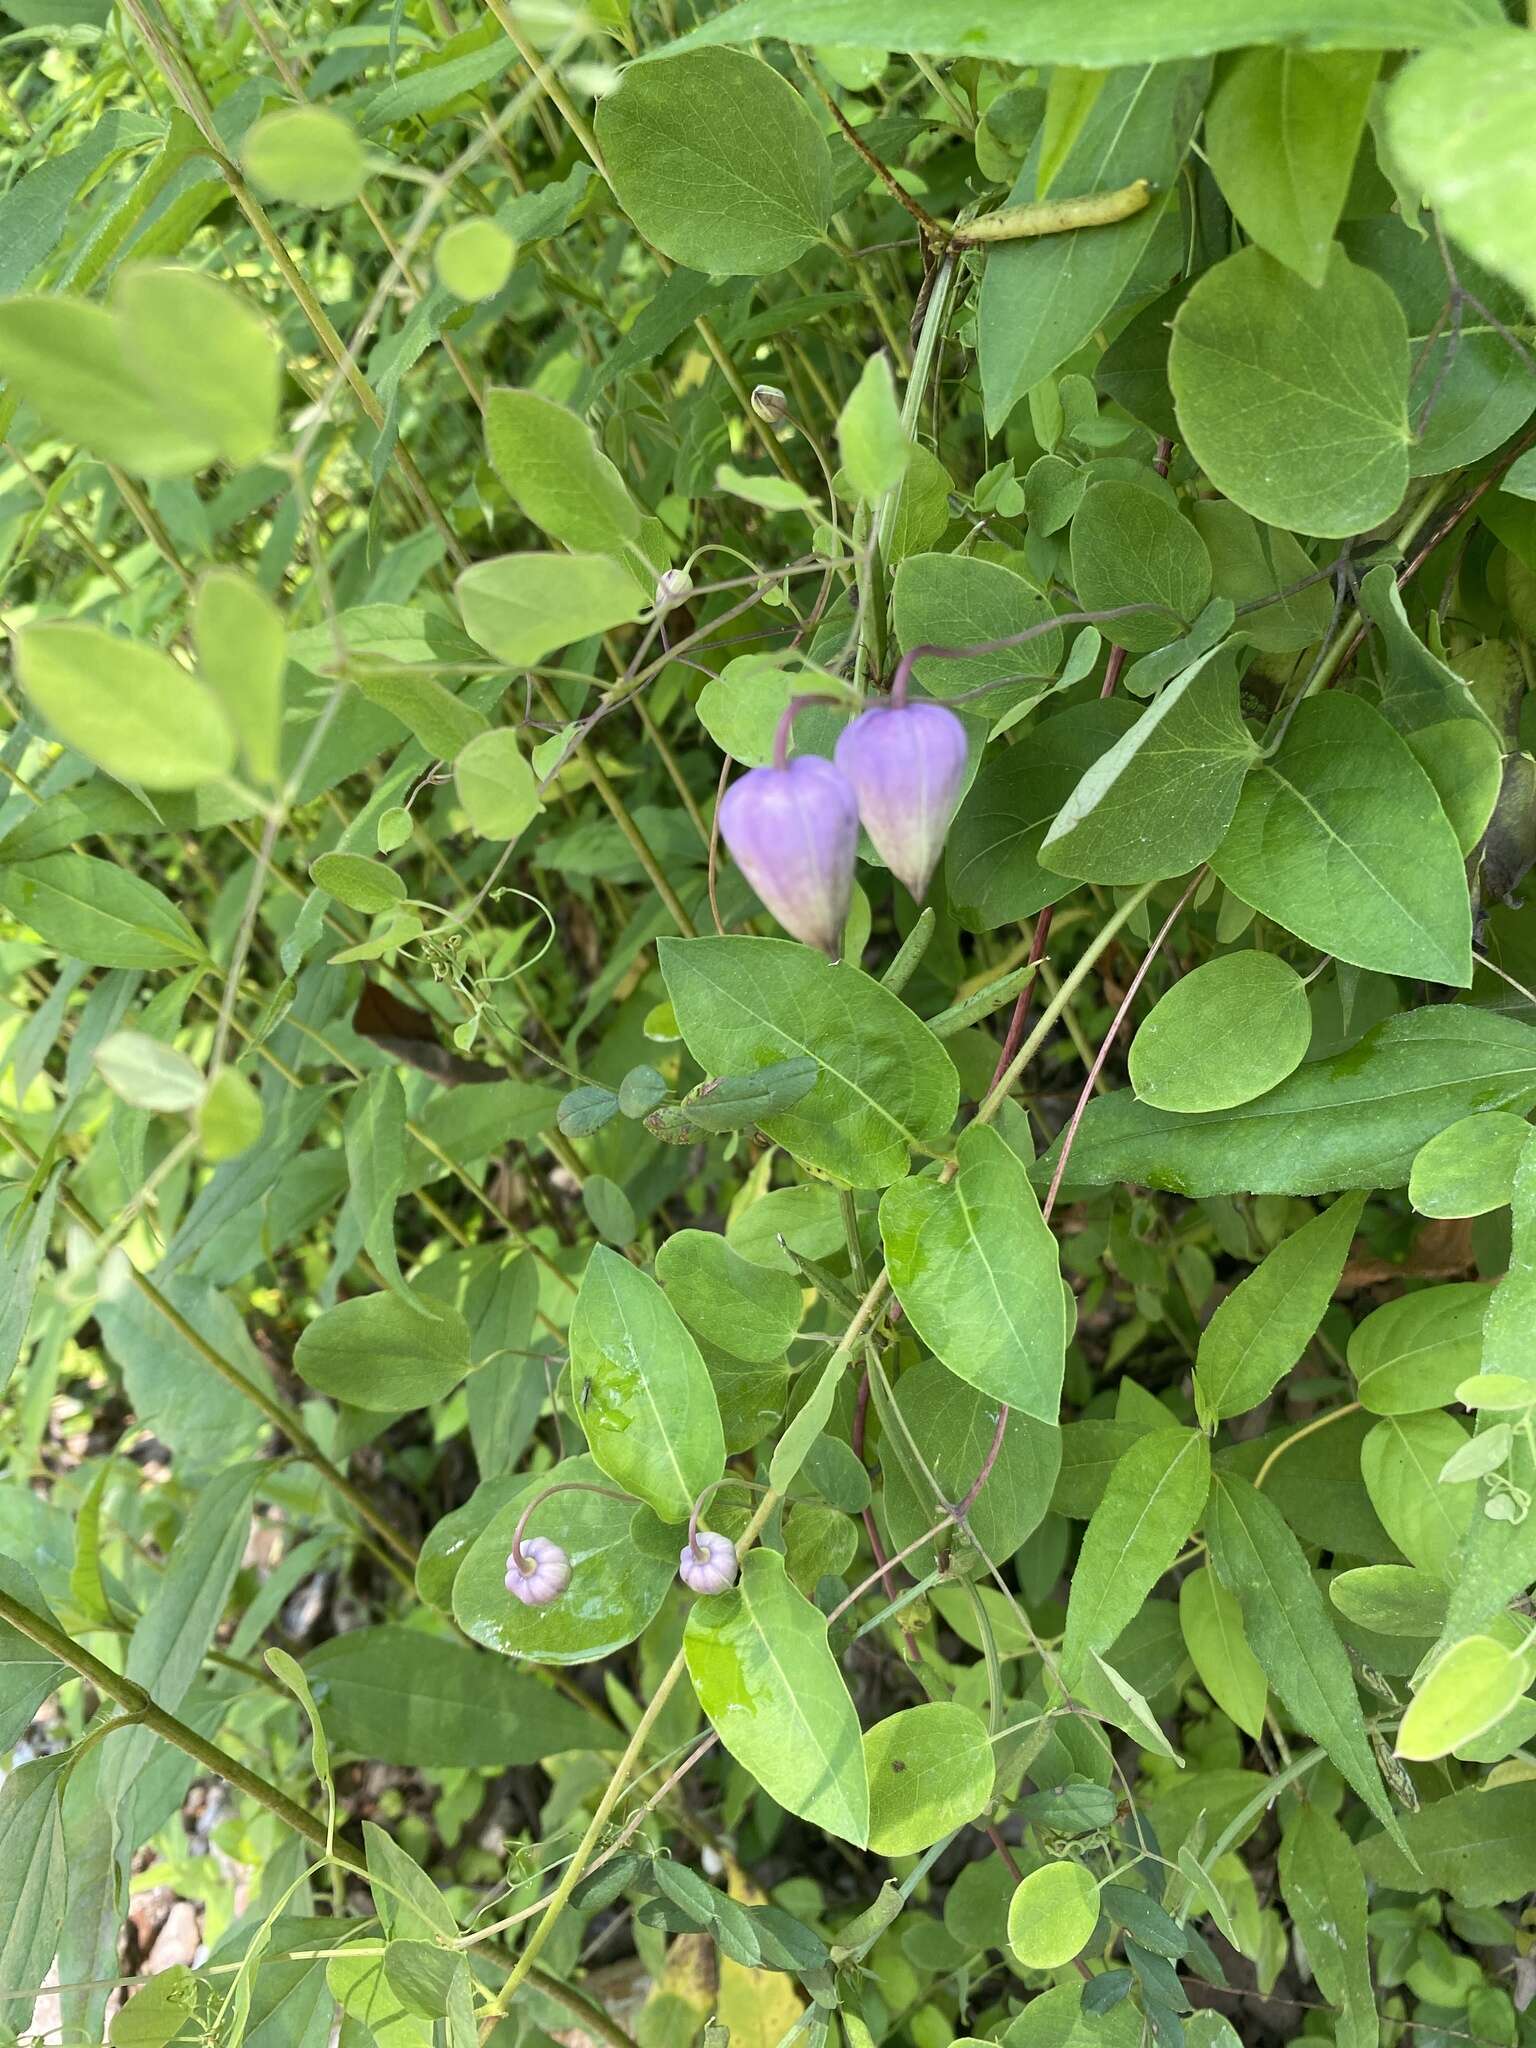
(544, 1574)
(794, 833)
(708, 1564)
(906, 763)
(769, 402)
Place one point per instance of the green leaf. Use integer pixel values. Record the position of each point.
(1250, 562)
(1393, 1599)
(1211, 1622)
(751, 1311)
(32, 1880)
(974, 1267)
(148, 1074)
(358, 881)
(1463, 1693)
(1281, 132)
(556, 474)
(1506, 1327)
(373, 1136)
(496, 785)
(1256, 1557)
(1263, 1326)
(1066, 32)
(1052, 1915)
(1456, 120)
(885, 1083)
(1041, 299)
(203, 356)
(25, 1228)
(130, 709)
(1322, 1883)
(404, 1697)
(1356, 1120)
(1130, 546)
(718, 161)
(1294, 400)
(1159, 801)
(870, 436)
(1451, 737)
(1479, 1845)
(740, 708)
(442, 722)
(1154, 1499)
(1340, 837)
(758, 1658)
(1400, 1462)
(647, 1403)
(953, 1427)
(930, 1771)
(524, 607)
(95, 911)
(241, 655)
(162, 2011)
(956, 600)
(622, 1563)
(1468, 1168)
(1230, 1031)
(473, 259)
(991, 862)
(1482, 390)
(69, 360)
(380, 1353)
(1413, 1353)
(307, 155)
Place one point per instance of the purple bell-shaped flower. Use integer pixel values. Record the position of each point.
(540, 1574)
(906, 764)
(794, 833)
(708, 1563)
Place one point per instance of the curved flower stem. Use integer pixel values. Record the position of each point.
(787, 717)
(1307, 1429)
(561, 1486)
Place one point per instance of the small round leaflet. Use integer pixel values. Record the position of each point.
(1228, 1032)
(1052, 1915)
(305, 155)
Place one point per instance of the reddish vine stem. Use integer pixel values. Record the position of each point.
(1016, 1023)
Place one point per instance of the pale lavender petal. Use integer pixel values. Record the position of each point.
(907, 765)
(794, 833)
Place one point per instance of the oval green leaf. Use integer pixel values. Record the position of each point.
(759, 1661)
(1052, 1915)
(1224, 1034)
(930, 1771)
(380, 1353)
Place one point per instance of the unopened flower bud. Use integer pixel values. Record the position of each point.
(794, 833)
(672, 586)
(769, 402)
(708, 1563)
(542, 1575)
(906, 764)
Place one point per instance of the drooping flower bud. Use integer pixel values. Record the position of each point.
(672, 586)
(906, 763)
(542, 1575)
(769, 402)
(794, 833)
(708, 1564)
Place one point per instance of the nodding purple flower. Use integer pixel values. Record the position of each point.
(906, 764)
(708, 1563)
(541, 1574)
(794, 833)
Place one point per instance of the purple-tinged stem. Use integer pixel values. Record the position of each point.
(563, 1486)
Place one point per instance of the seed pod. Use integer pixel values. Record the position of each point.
(542, 1576)
(794, 833)
(906, 763)
(708, 1563)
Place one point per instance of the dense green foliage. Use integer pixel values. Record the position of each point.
(445, 448)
